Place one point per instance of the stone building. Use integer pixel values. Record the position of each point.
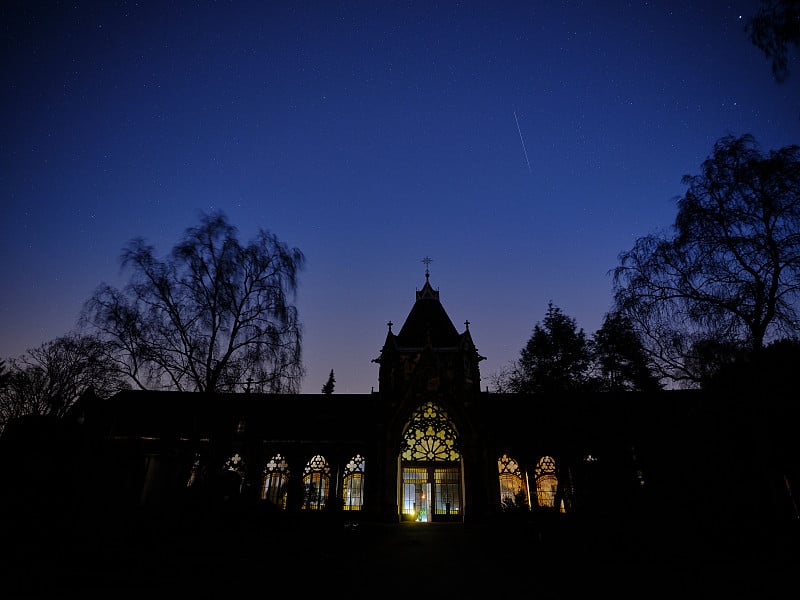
(427, 446)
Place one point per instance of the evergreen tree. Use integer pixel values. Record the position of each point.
(620, 357)
(328, 387)
(557, 357)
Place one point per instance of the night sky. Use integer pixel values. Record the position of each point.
(520, 145)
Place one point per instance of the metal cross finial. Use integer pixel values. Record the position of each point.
(390, 326)
(427, 260)
(467, 323)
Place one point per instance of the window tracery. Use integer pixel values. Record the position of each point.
(513, 489)
(234, 472)
(275, 481)
(546, 482)
(316, 483)
(353, 484)
(430, 436)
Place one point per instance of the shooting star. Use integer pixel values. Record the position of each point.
(523, 143)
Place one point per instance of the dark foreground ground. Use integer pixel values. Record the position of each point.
(234, 554)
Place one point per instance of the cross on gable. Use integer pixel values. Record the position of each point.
(427, 260)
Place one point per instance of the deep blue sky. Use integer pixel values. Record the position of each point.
(369, 135)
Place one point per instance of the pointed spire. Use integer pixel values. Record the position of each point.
(427, 291)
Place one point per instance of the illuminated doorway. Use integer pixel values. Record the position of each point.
(430, 468)
(416, 494)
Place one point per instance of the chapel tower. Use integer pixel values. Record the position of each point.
(429, 390)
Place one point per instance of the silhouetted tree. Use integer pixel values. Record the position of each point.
(216, 315)
(770, 370)
(49, 379)
(6, 411)
(5, 374)
(773, 29)
(556, 358)
(500, 380)
(729, 271)
(328, 387)
(708, 358)
(620, 358)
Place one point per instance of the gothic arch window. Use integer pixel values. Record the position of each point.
(546, 482)
(233, 474)
(197, 473)
(513, 488)
(353, 484)
(430, 474)
(275, 481)
(316, 482)
(430, 436)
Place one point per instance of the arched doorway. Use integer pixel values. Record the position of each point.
(430, 468)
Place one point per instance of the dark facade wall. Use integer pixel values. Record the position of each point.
(684, 456)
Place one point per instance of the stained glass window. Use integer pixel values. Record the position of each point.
(353, 484)
(546, 481)
(316, 482)
(512, 483)
(275, 480)
(430, 436)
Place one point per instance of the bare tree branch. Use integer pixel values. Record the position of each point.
(216, 315)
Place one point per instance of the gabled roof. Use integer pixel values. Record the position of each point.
(428, 322)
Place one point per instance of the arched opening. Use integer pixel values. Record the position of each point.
(513, 486)
(316, 483)
(547, 484)
(353, 484)
(233, 477)
(430, 468)
(275, 481)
